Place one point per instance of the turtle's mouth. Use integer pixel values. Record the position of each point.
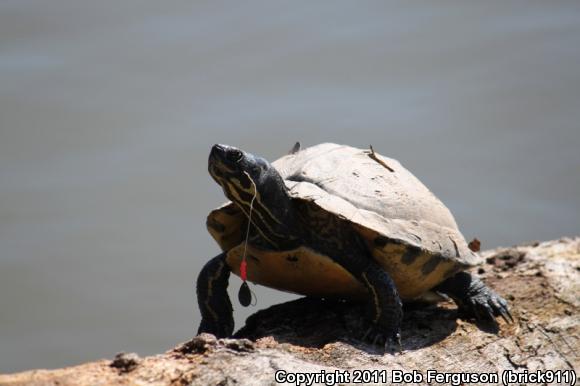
(217, 155)
(223, 161)
(226, 156)
(218, 152)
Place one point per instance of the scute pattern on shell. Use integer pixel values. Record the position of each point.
(346, 181)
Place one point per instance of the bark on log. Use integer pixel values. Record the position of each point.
(541, 281)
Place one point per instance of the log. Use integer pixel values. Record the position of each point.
(313, 338)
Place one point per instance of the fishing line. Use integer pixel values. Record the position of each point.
(245, 295)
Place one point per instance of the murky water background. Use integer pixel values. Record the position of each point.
(108, 111)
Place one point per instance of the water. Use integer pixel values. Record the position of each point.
(108, 112)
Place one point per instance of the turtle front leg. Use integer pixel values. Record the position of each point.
(212, 296)
(474, 298)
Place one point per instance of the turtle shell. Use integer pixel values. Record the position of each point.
(409, 232)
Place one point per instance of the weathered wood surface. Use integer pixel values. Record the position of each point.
(541, 281)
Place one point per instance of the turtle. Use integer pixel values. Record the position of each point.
(336, 222)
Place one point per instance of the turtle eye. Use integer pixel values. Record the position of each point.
(234, 155)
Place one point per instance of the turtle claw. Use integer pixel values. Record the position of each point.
(366, 334)
(500, 307)
(505, 314)
(396, 341)
(377, 337)
(486, 306)
(220, 330)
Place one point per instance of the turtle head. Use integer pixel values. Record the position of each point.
(254, 185)
(237, 171)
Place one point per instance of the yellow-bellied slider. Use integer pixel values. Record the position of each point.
(335, 221)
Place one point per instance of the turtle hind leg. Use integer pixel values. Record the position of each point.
(474, 298)
(213, 299)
